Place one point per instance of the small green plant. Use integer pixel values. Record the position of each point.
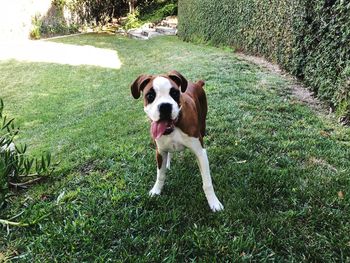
(132, 21)
(17, 169)
(35, 33)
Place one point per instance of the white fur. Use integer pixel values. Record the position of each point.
(168, 161)
(177, 141)
(162, 88)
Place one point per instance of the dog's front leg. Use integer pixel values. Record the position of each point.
(203, 163)
(161, 169)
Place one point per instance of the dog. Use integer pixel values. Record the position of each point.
(177, 110)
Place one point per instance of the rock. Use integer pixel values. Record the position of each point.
(149, 30)
(147, 26)
(120, 31)
(170, 21)
(137, 34)
(166, 30)
(153, 34)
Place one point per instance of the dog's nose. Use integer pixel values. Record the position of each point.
(165, 110)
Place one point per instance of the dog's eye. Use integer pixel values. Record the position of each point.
(150, 96)
(175, 94)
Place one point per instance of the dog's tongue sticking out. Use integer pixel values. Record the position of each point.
(158, 128)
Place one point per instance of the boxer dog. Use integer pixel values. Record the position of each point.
(177, 110)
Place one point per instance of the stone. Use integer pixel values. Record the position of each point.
(166, 30)
(136, 34)
(168, 27)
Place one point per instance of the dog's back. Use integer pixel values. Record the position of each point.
(197, 93)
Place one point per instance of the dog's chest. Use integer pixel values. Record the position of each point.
(175, 141)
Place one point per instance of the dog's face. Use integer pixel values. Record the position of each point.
(161, 99)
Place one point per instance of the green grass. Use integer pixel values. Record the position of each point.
(277, 166)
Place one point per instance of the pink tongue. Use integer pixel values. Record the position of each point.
(158, 128)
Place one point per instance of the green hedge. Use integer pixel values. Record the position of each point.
(308, 38)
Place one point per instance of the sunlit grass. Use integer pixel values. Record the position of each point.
(58, 53)
(277, 166)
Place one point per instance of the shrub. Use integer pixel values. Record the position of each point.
(159, 13)
(17, 168)
(310, 39)
(149, 6)
(156, 15)
(100, 12)
(96, 11)
(36, 26)
(53, 22)
(132, 21)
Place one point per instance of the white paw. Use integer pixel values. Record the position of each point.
(215, 204)
(154, 191)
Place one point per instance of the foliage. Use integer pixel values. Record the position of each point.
(16, 167)
(343, 94)
(135, 20)
(97, 12)
(158, 14)
(310, 39)
(281, 170)
(100, 12)
(49, 30)
(35, 32)
(53, 22)
(132, 21)
(149, 6)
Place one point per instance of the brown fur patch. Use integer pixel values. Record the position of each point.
(159, 159)
(194, 111)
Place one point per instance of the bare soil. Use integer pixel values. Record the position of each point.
(298, 90)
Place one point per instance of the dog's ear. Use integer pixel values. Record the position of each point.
(178, 79)
(139, 84)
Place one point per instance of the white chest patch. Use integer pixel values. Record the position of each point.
(174, 142)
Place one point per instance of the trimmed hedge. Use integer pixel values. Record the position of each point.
(308, 38)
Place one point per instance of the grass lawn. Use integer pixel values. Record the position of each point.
(277, 166)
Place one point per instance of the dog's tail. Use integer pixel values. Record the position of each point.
(200, 83)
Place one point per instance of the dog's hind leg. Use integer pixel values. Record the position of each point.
(168, 161)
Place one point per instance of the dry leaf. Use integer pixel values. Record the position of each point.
(324, 133)
(341, 194)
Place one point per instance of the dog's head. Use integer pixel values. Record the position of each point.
(162, 102)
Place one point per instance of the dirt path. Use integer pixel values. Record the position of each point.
(298, 90)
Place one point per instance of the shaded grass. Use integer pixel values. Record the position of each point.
(276, 165)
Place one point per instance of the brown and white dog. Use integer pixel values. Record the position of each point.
(177, 110)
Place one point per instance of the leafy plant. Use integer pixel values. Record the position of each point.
(18, 169)
(95, 11)
(132, 21)
(160, 13)
(53, 23)
(36, 26)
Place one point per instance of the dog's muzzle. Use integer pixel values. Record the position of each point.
(165, 111)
